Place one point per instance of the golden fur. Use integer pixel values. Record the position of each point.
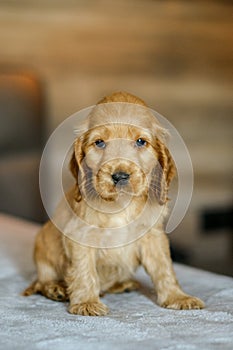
(81, 273)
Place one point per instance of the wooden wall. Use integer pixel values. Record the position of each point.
(174, 54)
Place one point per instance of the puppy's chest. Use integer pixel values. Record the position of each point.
(118, 260)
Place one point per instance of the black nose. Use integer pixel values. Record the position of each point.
(120, 177)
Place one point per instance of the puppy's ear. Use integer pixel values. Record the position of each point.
(163, 173)
(76, 168)
(171, 169)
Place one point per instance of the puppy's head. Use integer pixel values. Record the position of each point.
(122, 152)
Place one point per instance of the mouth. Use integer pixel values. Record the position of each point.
(116, 191)
(121, 183)
(112, 186)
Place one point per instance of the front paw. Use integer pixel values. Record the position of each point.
(183, 302)
(89, 309)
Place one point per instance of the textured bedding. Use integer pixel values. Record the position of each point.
(135, 321)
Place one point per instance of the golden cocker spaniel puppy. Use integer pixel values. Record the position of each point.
(122, 170)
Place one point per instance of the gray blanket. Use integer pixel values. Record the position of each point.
(135, 321)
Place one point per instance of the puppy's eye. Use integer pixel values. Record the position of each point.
(140, 142)
(100, 144)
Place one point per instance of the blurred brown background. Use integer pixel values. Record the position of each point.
(60, 56)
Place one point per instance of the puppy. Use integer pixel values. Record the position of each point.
(122, 170)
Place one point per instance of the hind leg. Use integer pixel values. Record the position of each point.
(48, 285)
(126, 286)
(53, 290)
(50, 262)
(34, 288)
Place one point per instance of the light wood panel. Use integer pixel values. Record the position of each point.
(177, 55)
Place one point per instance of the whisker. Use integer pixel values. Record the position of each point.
(85, 181)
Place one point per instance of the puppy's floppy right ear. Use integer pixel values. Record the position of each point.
(164, 171)
(76, 168)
